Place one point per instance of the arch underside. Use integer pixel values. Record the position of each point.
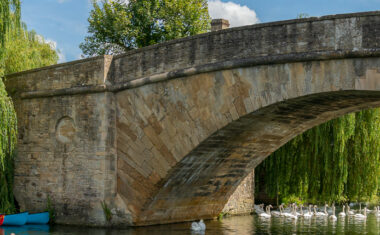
(201, 183)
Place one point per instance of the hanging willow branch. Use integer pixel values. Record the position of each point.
(8, 135)
(8, 8)
(9, 14)
(336, 161)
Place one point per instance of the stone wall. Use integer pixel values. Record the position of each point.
(66, 145)
(242, 200)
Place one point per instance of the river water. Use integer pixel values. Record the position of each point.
(233, 225)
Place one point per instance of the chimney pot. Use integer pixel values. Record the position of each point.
(219, 24)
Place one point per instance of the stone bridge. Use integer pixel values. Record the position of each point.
(168, 132)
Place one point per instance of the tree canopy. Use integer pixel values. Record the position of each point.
(117, 26)
(27, 50)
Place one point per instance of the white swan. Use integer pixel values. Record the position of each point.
(198, 226)
(320, 214)
(288, 209)
(259, 208)
(291, 215)
(377, 211)
(277, 213)
(287, 212)
(325, 211)
(342, 214)
(267, 213)
(333, 217)
(349, 213)
(309, 214)
(361, 216)
(295, 208)
(301, 210)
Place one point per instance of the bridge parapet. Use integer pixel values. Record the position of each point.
(83, 76)
(315, 38)
(276, 42)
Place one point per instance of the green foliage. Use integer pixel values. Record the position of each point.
(336, 161)
(50, 208)
(221, 216)
(9, 12)
(116, 26)
(106, 211)
(26, 50)
(292, 199)
(303, 15)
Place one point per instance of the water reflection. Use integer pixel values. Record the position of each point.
(233, 225)
(27, 229)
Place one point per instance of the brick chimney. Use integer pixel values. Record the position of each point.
(219, 24)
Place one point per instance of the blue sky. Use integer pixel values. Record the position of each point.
(64, 22)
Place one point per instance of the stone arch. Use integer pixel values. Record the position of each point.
(197, 125)
(201, 184)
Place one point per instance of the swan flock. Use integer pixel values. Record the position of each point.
(294, 212)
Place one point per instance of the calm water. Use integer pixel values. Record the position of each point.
(233, 225)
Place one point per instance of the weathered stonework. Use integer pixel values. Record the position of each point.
(219, 24)
(66, 147)
(167, 133)
(242, 200)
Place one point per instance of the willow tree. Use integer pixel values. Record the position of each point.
(27, 50)
(20, 49)
(9, 12)
(364, 161)
(336, 161)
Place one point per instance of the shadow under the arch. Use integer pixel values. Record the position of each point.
(201, 183)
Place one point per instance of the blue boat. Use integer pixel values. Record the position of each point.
(38, 218)
(13, 220)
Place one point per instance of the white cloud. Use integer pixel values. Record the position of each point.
(236, 14)
(61, 57)
(53, 45)
(62, 1)
(39, 38)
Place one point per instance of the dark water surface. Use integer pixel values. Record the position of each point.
(233, 225)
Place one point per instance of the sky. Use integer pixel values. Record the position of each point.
(64, 24)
